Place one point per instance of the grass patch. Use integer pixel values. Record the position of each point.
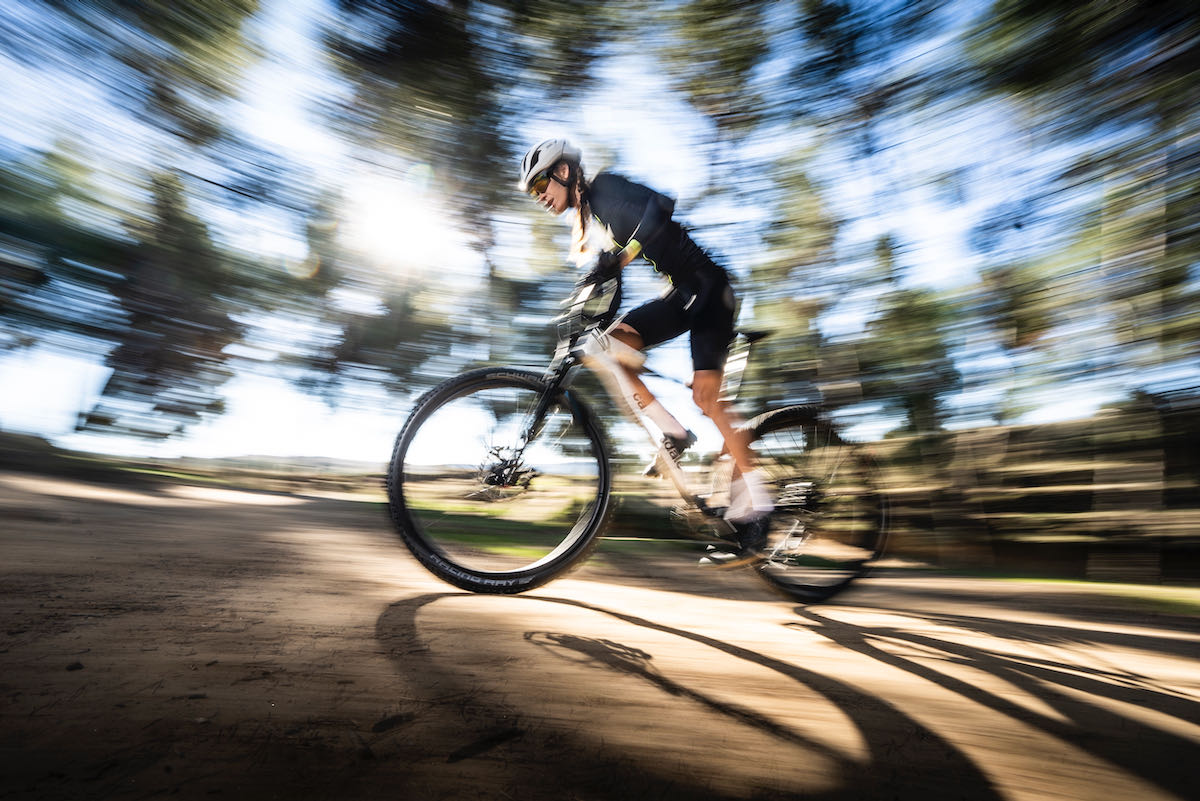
(1184, 601)
(493, 535)
(639, 545)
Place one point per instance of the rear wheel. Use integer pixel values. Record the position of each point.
(481, 507)
(830, 520)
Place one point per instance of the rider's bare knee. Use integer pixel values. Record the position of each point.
(706, 392)
(623, 332)
(708, 402)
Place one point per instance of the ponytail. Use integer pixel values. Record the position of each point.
(579, 229)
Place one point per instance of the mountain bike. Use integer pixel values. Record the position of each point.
(500, 478)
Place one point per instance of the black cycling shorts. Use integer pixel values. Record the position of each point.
(709, 315)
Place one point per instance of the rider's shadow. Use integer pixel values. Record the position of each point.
(1076, 698)
(900, 757)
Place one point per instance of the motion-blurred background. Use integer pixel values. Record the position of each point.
(263, 228)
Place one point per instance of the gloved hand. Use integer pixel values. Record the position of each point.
(608, 265)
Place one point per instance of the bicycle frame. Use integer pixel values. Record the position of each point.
(817, 546)
(572, 353)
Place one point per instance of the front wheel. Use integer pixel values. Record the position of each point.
(830, 520)
(497, 484)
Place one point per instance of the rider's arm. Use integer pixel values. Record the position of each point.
(629, 252)
(621, 258)
(631, 207)
(655, 217)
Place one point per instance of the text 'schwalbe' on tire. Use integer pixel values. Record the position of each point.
(830, 519)
(479, 510)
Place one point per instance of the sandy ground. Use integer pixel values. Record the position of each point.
(198, 643)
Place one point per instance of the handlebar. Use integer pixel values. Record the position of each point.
(590, 305)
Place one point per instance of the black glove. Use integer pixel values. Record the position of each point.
(608, 266)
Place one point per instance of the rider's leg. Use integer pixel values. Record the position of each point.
(640, 394)
(749, 512)
(706, 392)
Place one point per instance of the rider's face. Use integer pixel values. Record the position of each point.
(555, 198)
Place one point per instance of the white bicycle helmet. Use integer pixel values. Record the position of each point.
(545, 155)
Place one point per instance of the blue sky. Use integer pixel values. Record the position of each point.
(632, 113)
(266, 415)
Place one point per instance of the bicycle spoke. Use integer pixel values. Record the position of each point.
(482, 498)
(828, 523)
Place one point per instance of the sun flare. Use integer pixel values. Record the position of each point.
(399, 224)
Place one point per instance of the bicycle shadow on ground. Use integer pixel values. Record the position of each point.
(1079, 677)
(538, 752)
(1088, 611)
(673, 569)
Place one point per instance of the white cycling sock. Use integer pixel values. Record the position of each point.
(748, 498)
(739, 500)
(665, 420)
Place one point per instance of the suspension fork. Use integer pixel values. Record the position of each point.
(555, 382)
(537, 419)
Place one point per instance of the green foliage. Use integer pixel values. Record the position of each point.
(439, 82)
(789, 290)
(1020, 308)
(711, 53)
(168, 62)
(905, 361)
(1089, 270)
(169, 361)
(1089, 49)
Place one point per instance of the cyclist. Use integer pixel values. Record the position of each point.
(637, 221)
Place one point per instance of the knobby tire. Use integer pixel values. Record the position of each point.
(479, 511)
(829, 526)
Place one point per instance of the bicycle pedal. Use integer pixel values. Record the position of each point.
(685, 519)
(717, 558)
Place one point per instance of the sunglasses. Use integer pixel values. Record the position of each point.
(539, 184)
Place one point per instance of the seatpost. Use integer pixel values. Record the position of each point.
(735, 365)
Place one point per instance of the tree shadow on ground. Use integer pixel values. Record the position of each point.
(905, 759)
(1080, 695)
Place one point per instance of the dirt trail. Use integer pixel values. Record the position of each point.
(173, 640)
